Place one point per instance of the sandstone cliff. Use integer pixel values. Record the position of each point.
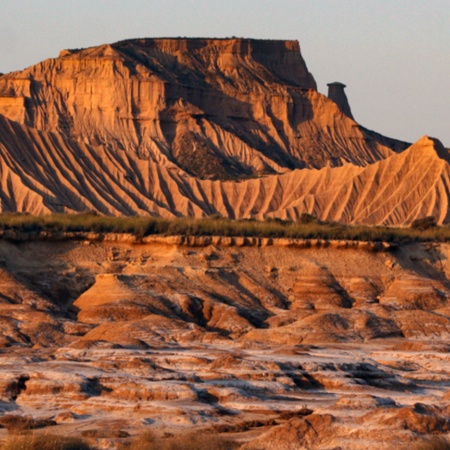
(202, 126)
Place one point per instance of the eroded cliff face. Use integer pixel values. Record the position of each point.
(197, 127)
(44, 172)
(215, 108)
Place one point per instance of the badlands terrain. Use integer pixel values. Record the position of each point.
(266, 343)
(274, 344)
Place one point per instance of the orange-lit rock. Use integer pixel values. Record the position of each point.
(141, 126)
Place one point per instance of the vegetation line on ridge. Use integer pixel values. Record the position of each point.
(307, 227)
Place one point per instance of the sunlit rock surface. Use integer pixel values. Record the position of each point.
(314, 346)
(199, 127)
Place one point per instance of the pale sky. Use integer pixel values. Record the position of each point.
(393, 55)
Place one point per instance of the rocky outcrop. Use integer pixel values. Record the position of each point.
(216, 108)
(287, 345)
(337, 94)
(197, 127)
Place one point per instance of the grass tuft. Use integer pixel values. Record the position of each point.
(44, 442)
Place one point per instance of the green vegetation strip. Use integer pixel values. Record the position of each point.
(306, 228)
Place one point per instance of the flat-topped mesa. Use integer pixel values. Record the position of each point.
(279, 57)
(224, 109)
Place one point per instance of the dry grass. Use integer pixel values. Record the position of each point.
(307, 227)
(44, 442)
(145, 441)
(191, 441)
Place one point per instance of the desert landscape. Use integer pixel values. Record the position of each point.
(198, 340)
(270, 343)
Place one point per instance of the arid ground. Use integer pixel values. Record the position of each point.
(276, 344)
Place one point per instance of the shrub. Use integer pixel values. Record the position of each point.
(145, 441)
(44, 442)
(307, 227)
(16, 424)
(424, 223)
(307, 218)
(199, 441)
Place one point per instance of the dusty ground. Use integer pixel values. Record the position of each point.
(278, 345)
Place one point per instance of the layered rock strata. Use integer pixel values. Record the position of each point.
(196, 127)
(44, 172)
(310, 346)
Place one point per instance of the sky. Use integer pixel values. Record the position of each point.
(394, 56)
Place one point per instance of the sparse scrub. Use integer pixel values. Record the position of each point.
(197, 441)
(308, 227)
(145, 441)
(44, 442)
(17, 424)
(191, 441)
(307, 218)
(433, 443)
(424, 223)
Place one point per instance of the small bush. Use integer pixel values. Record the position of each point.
(105, 434)
(424, 223)
(16, 424)
(44, 442)
(307, 218)
(197, 441)
(145, 441)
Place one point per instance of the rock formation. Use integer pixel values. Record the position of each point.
(337, 94)
(273, 343)
(318, 346)
(214, 108)
(42, 172)
(202, 126)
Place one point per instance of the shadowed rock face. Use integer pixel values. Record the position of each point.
(337, 94)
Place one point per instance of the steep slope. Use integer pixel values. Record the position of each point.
(394, 191)
(43, 172)
(215, 108)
